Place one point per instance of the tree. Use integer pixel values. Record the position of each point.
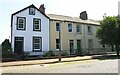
(6, 45)
(109, 32)
(6, 49)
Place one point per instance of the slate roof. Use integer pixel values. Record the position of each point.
(29, 7)
(72, 19)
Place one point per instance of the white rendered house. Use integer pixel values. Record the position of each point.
(30, 31)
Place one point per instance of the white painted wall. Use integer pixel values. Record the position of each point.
(29, 33)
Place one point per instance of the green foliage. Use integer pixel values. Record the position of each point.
(26, 55)
(49, 54)
(54, 53)
(109, 32)
(8, 54)
(6, 45)
(64, 53)
(6, 49)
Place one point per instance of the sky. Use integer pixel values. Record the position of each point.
(95, 10)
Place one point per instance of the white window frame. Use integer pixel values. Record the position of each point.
(69, 27)
(31, 9)
(40, 44)
(39, 21)
(77, 25)
(57, 26)
(23, 23)
(89, 32)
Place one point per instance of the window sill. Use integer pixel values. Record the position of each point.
(21, 29)
(37, 51)
(37, 30)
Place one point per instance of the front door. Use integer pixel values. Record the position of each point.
(71, 43)
(79, 52)
(18, 48)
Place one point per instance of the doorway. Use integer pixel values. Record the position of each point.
(18, 45)
(71, 45)
(79, 51)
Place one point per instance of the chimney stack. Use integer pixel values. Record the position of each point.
(42, 8)
(83, 15)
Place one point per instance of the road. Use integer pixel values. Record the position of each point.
(86, 66)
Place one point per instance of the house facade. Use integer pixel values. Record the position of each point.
(35, 32)
(75, 34)
(30, 31)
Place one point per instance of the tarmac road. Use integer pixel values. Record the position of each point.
(87, 66)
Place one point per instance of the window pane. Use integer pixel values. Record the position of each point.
(20, 20)
(36, 40)
(21, 23)
(31, 11)
(77, 28)
(36, 24)
(36, 46)
(89, 30)
(57, 46)
(36, 43)
(69, 27)
(57, 40)
(57, 26)
(21, 26)
(57, 43)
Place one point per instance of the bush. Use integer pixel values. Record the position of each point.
(49, 54)
(6, 45)
(26, 55)
(64, 53)
(6, 49)
(9, 54)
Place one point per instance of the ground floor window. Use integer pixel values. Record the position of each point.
(37, 43)
(57, 43)
(90, 43)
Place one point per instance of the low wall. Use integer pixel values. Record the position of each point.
(96, 50)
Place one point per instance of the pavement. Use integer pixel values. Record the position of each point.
(44, 61)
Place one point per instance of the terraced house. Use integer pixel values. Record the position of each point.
(35, 32)
(77, 34)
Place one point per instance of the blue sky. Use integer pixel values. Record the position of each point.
(94, 8)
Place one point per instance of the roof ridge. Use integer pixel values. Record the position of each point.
(63, 15)
(73, 17)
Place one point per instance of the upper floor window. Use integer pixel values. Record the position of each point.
(57, 26)
(21, 23)
(89, 29)
(37, 43)
(69, 27)
(31, 11)
(36, 24)
(78, 28)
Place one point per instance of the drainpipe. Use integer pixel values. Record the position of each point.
(84, 38)
(60, 43)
